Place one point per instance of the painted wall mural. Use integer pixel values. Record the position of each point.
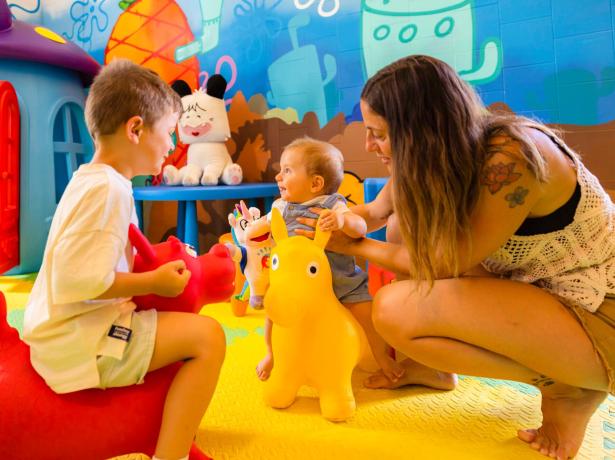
(535, 55)
(442, 28)
(297, 67)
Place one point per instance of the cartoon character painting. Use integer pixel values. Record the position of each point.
(440, 28)
(305, 91)
(204, 126)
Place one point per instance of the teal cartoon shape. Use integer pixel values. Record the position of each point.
(211, 10)
(296, 77)
(392, 29)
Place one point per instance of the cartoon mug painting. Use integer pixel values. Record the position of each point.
(444, 29)
(305, 90)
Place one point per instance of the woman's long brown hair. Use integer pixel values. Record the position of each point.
(440, 135)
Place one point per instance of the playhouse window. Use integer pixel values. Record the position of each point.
(72, 145)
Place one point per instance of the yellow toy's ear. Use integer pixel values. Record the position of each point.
(321, 238)
(278, 227)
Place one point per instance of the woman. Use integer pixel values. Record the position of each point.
(508, 241)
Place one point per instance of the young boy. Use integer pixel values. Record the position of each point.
(311, 171)
(80, 321)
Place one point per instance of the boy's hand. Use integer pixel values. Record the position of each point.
(331, 221)
(170, 279)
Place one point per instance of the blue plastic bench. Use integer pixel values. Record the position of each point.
(186, 197)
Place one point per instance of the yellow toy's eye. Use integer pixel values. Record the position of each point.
(275, 262)
(312, 269)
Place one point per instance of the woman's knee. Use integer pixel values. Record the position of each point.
(386, 308)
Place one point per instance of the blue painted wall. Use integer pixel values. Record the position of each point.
(554, 59)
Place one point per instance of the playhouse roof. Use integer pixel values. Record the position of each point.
(22, 41)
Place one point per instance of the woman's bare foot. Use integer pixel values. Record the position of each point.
(414, 374)
(264, 367)
(566, 411)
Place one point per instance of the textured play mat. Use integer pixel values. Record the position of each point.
(476, 421)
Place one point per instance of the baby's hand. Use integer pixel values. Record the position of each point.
(331, 221)
(170, 279)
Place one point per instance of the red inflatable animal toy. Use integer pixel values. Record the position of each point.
(212, 275)
(38, 424)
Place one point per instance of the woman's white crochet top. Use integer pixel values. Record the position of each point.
(576, 263)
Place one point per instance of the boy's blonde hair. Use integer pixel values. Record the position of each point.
(124, 89)
(321, 159)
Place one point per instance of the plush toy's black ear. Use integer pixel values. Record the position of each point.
(181, 87)
(216, 85)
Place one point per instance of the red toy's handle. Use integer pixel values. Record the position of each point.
(143, 246)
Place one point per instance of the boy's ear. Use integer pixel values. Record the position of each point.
(134, 128)
(318, 183)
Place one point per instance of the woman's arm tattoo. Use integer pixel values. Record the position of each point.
(496, 176)
(517, 197)
(542, 381)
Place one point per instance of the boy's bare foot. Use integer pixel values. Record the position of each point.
(414, 374)
(264, 367)
(566, 411)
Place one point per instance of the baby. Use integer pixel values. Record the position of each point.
(311, 171)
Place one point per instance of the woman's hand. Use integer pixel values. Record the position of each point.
(342, 243)
(309, 222)
(339, 241)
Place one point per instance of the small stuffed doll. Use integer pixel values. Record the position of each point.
(252, 237)
(204, 126)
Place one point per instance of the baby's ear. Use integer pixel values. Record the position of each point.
(318, 183)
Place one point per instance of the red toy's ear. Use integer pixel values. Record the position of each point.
(140, 242)
(220, 250)
(175, 243)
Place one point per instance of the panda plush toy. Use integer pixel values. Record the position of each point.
(204, 127)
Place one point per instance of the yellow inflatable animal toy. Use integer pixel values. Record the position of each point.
(315, 340)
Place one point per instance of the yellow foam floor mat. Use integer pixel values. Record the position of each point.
(476, 421)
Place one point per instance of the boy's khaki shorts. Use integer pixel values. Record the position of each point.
(600, 327)
(133, 366)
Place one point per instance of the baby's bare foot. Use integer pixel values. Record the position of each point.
(390, 368)
(566, 411)
(414, 374)
(263, 370)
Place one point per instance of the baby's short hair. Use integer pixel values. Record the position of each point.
(124, 89)
(322, 159)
